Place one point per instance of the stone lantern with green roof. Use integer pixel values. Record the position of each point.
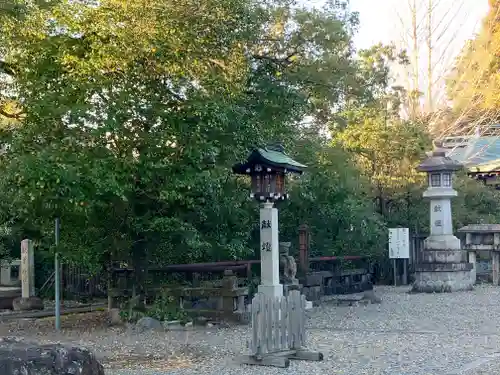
(268, 168)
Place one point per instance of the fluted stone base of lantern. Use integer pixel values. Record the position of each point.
(439, 242)
(447, 271)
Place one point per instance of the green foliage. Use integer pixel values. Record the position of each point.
(476, 203)
(332, 199)
(165, 308)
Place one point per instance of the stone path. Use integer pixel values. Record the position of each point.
(424, 334)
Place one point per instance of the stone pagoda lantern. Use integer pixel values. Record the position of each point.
(268, 168)
(443, 265)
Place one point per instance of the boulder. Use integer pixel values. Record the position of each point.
(26, 304)
(19, 357)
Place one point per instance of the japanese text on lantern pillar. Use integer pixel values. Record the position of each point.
(266, 224)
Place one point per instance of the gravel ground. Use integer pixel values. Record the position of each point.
(425, 334)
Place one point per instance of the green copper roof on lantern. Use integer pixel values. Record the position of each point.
(273, 156)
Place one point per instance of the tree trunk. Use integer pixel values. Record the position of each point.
(414, 34)
(429, 57)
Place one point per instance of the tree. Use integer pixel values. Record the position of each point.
(334, 200)
(472, 86)
(386, 148)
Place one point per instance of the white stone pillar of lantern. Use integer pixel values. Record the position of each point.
(269, 251)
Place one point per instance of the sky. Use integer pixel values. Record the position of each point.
(389, 21)
(379, 19)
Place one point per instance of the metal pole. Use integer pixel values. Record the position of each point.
(395, 273)
(405, 271)
(57, 279)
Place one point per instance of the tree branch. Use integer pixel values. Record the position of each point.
(15, 116)
(280, 61)
(7, 68)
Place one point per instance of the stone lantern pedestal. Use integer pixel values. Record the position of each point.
(443, 265)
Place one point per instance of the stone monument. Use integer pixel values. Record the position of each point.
(443, 265)
(288, 267)
(28, 300)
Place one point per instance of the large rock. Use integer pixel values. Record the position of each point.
(19, 357)
(27, 304)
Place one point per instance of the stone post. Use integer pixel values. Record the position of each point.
(473, 271)
(495, 267)
(269, 252)
(27, 269)
(304, 249)
(28, 300)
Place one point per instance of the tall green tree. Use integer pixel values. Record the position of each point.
(473, 83)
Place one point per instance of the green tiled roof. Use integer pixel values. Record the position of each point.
(273, 157)
(279, 157)
(482, 154)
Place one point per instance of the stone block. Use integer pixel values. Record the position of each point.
(27, 304)
(6, 277)
(442, 242)
(443, 281)
(149, 324)
(313, 279)
(19, 357)
(443, 267)
(444, 256)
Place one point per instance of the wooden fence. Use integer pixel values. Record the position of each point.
(224, 299)
(278, 331)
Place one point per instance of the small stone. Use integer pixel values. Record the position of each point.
(370, 296)
(149, 324)
(172, 325)
(188, 324)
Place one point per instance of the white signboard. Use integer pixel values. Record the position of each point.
(399, 243)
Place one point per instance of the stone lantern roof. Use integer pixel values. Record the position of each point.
(439, 162)
(272, 156)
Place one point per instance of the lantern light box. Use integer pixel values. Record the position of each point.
(268, 168)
